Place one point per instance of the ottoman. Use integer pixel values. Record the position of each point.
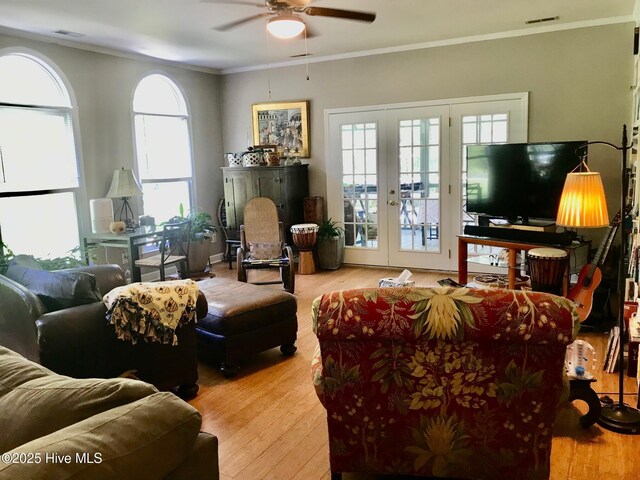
(244, 319)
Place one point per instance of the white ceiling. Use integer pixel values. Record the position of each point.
(181, 30)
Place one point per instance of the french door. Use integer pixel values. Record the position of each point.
(395, 176)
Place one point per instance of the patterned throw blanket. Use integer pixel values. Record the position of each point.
(151, 311)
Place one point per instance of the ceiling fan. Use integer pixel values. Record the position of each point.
(285, 21)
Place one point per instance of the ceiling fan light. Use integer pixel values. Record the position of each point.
(285, 26)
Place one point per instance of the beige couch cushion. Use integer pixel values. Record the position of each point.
(35, 401)
(145, 439)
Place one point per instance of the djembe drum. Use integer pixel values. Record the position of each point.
(547, 267)
(305, 236)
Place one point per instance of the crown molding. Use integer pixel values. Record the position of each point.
(89, 47)
(635, 17)
(439, 43)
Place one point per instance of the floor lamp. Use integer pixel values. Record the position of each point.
(582, 205)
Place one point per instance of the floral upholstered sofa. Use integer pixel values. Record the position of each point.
(441, 382)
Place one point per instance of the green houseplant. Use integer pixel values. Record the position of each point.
(330, 245)
(202, 230)
(74, 259)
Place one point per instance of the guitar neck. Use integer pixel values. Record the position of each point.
(606, 242)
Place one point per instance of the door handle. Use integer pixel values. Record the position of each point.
(393, 203)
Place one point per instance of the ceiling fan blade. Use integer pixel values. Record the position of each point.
(234, 2)
(242, 21)
(338, 13)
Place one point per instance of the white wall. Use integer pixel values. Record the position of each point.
(578, 82)
(103, 86)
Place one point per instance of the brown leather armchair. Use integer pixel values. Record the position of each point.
(79, 342)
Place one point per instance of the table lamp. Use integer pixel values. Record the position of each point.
(124, 185)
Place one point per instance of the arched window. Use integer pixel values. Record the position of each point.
(163, 147)
(38, 161)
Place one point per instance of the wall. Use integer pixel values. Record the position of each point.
(103, 86)
(578, 82)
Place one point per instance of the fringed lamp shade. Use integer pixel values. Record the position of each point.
(583, 204)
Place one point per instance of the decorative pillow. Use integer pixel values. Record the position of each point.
(34, 401)
(265, 251)
(27, 261)
(57, 290)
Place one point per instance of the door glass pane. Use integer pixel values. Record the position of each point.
(419, 184)
(360, 184)
(479, 130)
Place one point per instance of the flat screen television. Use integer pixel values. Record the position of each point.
(519, 181)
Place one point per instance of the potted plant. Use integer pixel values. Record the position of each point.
(202, 230)
(74, 259)
(330, 245)
(6, 254)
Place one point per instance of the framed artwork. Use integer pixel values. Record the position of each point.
(285, 124)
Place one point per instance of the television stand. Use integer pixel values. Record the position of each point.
(513, 247)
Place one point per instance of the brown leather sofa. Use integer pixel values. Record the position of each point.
(79, 342)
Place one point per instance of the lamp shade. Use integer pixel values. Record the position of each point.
(582, 204)
(285, 26)
(124, 184)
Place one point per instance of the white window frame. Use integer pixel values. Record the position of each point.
(187, 115)
(79, 193)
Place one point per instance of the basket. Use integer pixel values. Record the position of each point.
(251, 159)
(233, 159)
(273, 159)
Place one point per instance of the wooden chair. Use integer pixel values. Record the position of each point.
(231, 236)
(174, 248)
(262, 243)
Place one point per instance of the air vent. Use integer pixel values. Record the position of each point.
(67, 33)
(301, 55)
(542, 20)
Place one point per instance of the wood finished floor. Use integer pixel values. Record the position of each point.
(270, 424)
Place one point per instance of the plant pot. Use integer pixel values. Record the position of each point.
(199, 252)
(331, 252)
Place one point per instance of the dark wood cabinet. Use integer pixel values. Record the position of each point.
(286, 186)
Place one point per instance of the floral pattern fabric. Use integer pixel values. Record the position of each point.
(441, 382)
(151, 311)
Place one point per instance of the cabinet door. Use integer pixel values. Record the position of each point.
(238, 188)
(269, 184)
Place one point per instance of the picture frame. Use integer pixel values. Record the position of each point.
(284, 124)
(266, 148)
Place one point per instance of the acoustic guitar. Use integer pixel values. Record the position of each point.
(581, 294)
